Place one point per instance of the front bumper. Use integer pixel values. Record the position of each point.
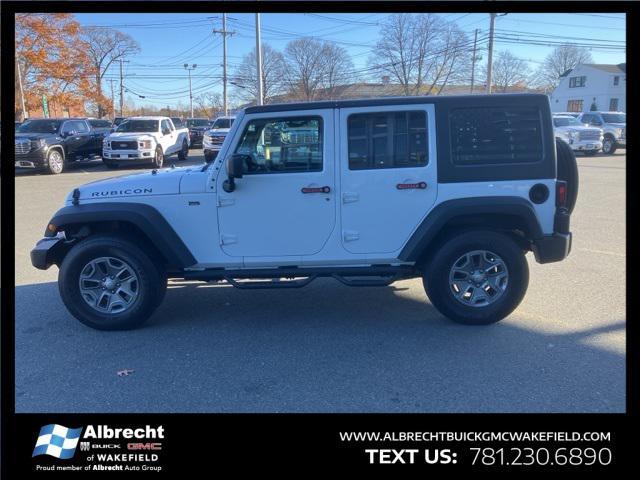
(622, 142)
(557, 246)
(47, 251)
(36, 158)
(128, 155)
(586, 145)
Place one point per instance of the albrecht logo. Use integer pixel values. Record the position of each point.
(57, 441)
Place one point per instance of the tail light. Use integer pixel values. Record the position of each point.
(561, 194)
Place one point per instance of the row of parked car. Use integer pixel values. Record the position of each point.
(51, 143)
(590, 132)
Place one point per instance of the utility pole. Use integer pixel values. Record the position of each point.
(113, 98)
(24, 110)
(259, 59)
(224, 32)
(189, 68)
(473, 60)
(122, 88)
(490, 56)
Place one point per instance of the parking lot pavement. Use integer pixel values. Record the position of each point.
(331, 348)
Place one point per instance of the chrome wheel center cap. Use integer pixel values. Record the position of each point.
(478, 277)
(108, 283)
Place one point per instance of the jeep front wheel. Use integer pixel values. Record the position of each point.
(477, 277)
(108, 283)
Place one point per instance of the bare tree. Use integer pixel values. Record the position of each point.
(245, 77)
(104, 46)
(304, 62)
(337, 68)
(208, 104)
(508, 70)
(559, 61)
(451, 61)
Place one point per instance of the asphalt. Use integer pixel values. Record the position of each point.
(328, 347)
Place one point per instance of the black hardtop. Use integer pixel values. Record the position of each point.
(457, 100)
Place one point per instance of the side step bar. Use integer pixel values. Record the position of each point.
(296, 277)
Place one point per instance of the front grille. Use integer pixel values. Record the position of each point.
(217, 140)
(123, 145)
(22, 147)
(590, 135)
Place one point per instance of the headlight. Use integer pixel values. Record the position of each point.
(39, 143)
(571, 135)
(106, 144)
(144, 144)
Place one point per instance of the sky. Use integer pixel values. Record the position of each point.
(168, 41)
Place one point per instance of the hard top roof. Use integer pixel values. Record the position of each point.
(382, 101)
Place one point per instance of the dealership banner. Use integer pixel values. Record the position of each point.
(167, 445)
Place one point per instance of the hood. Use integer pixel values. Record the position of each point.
(617, 125)
(35, 136)
(129, 135)
(218, 131)
(164, 182)
(579, 128)
(199, 129)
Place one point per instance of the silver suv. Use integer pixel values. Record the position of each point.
(614, 125)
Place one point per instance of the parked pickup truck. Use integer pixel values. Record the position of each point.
(213, 139)
(579, 137)
(145, 140)
(197, 128)
(614, 125)
(51, 143)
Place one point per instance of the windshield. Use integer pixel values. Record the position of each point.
(565, 122)
(138, 126)
(615, 117)
(40, 126)
(223, 123)
(197, 122)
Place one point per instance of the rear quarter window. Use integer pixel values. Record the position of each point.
(496, 135)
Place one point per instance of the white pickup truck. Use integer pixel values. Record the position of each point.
(145, 140)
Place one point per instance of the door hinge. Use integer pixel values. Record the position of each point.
(228, 239)
(350, 197)
(350, 235)
(225, 202)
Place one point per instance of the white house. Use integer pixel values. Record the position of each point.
(604, 86)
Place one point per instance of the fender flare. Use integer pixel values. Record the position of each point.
(58, 146)
(151, 222)
(450, 209)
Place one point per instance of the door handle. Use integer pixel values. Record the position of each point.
(407, 186)
(324, 189)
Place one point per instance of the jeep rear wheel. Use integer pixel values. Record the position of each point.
(108, 283)
(477, 277)
(158, 159)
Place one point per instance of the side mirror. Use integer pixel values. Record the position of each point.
(70, 133)
(235, 164)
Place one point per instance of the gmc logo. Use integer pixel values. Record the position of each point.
(144, 446)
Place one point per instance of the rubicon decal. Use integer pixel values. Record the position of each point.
(128, 191)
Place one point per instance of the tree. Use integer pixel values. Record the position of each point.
(559, 61)
(422, 52)
(208, 104)
(508, 70)
(304, 67)
(337, 68)
(245, 76)
(52, 62)
(104, 46)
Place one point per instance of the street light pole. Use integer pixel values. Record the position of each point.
(189, 68)
(490, 55)
(259, 60)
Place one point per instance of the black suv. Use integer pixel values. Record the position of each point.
(197, 127)
(51, 143)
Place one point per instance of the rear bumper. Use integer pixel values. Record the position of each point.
(557, 246)
(46, 251)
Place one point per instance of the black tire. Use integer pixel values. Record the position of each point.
(568, 172)
(440, 292)
(55, 162)
(110, 165)
(590, 153)
(150, 288)
(184, 151)
(609, 146)
(209, 157)
(158, 159)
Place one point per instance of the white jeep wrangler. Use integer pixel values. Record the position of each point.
(453, 190)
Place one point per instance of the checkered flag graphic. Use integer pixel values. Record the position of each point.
(57, 441)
